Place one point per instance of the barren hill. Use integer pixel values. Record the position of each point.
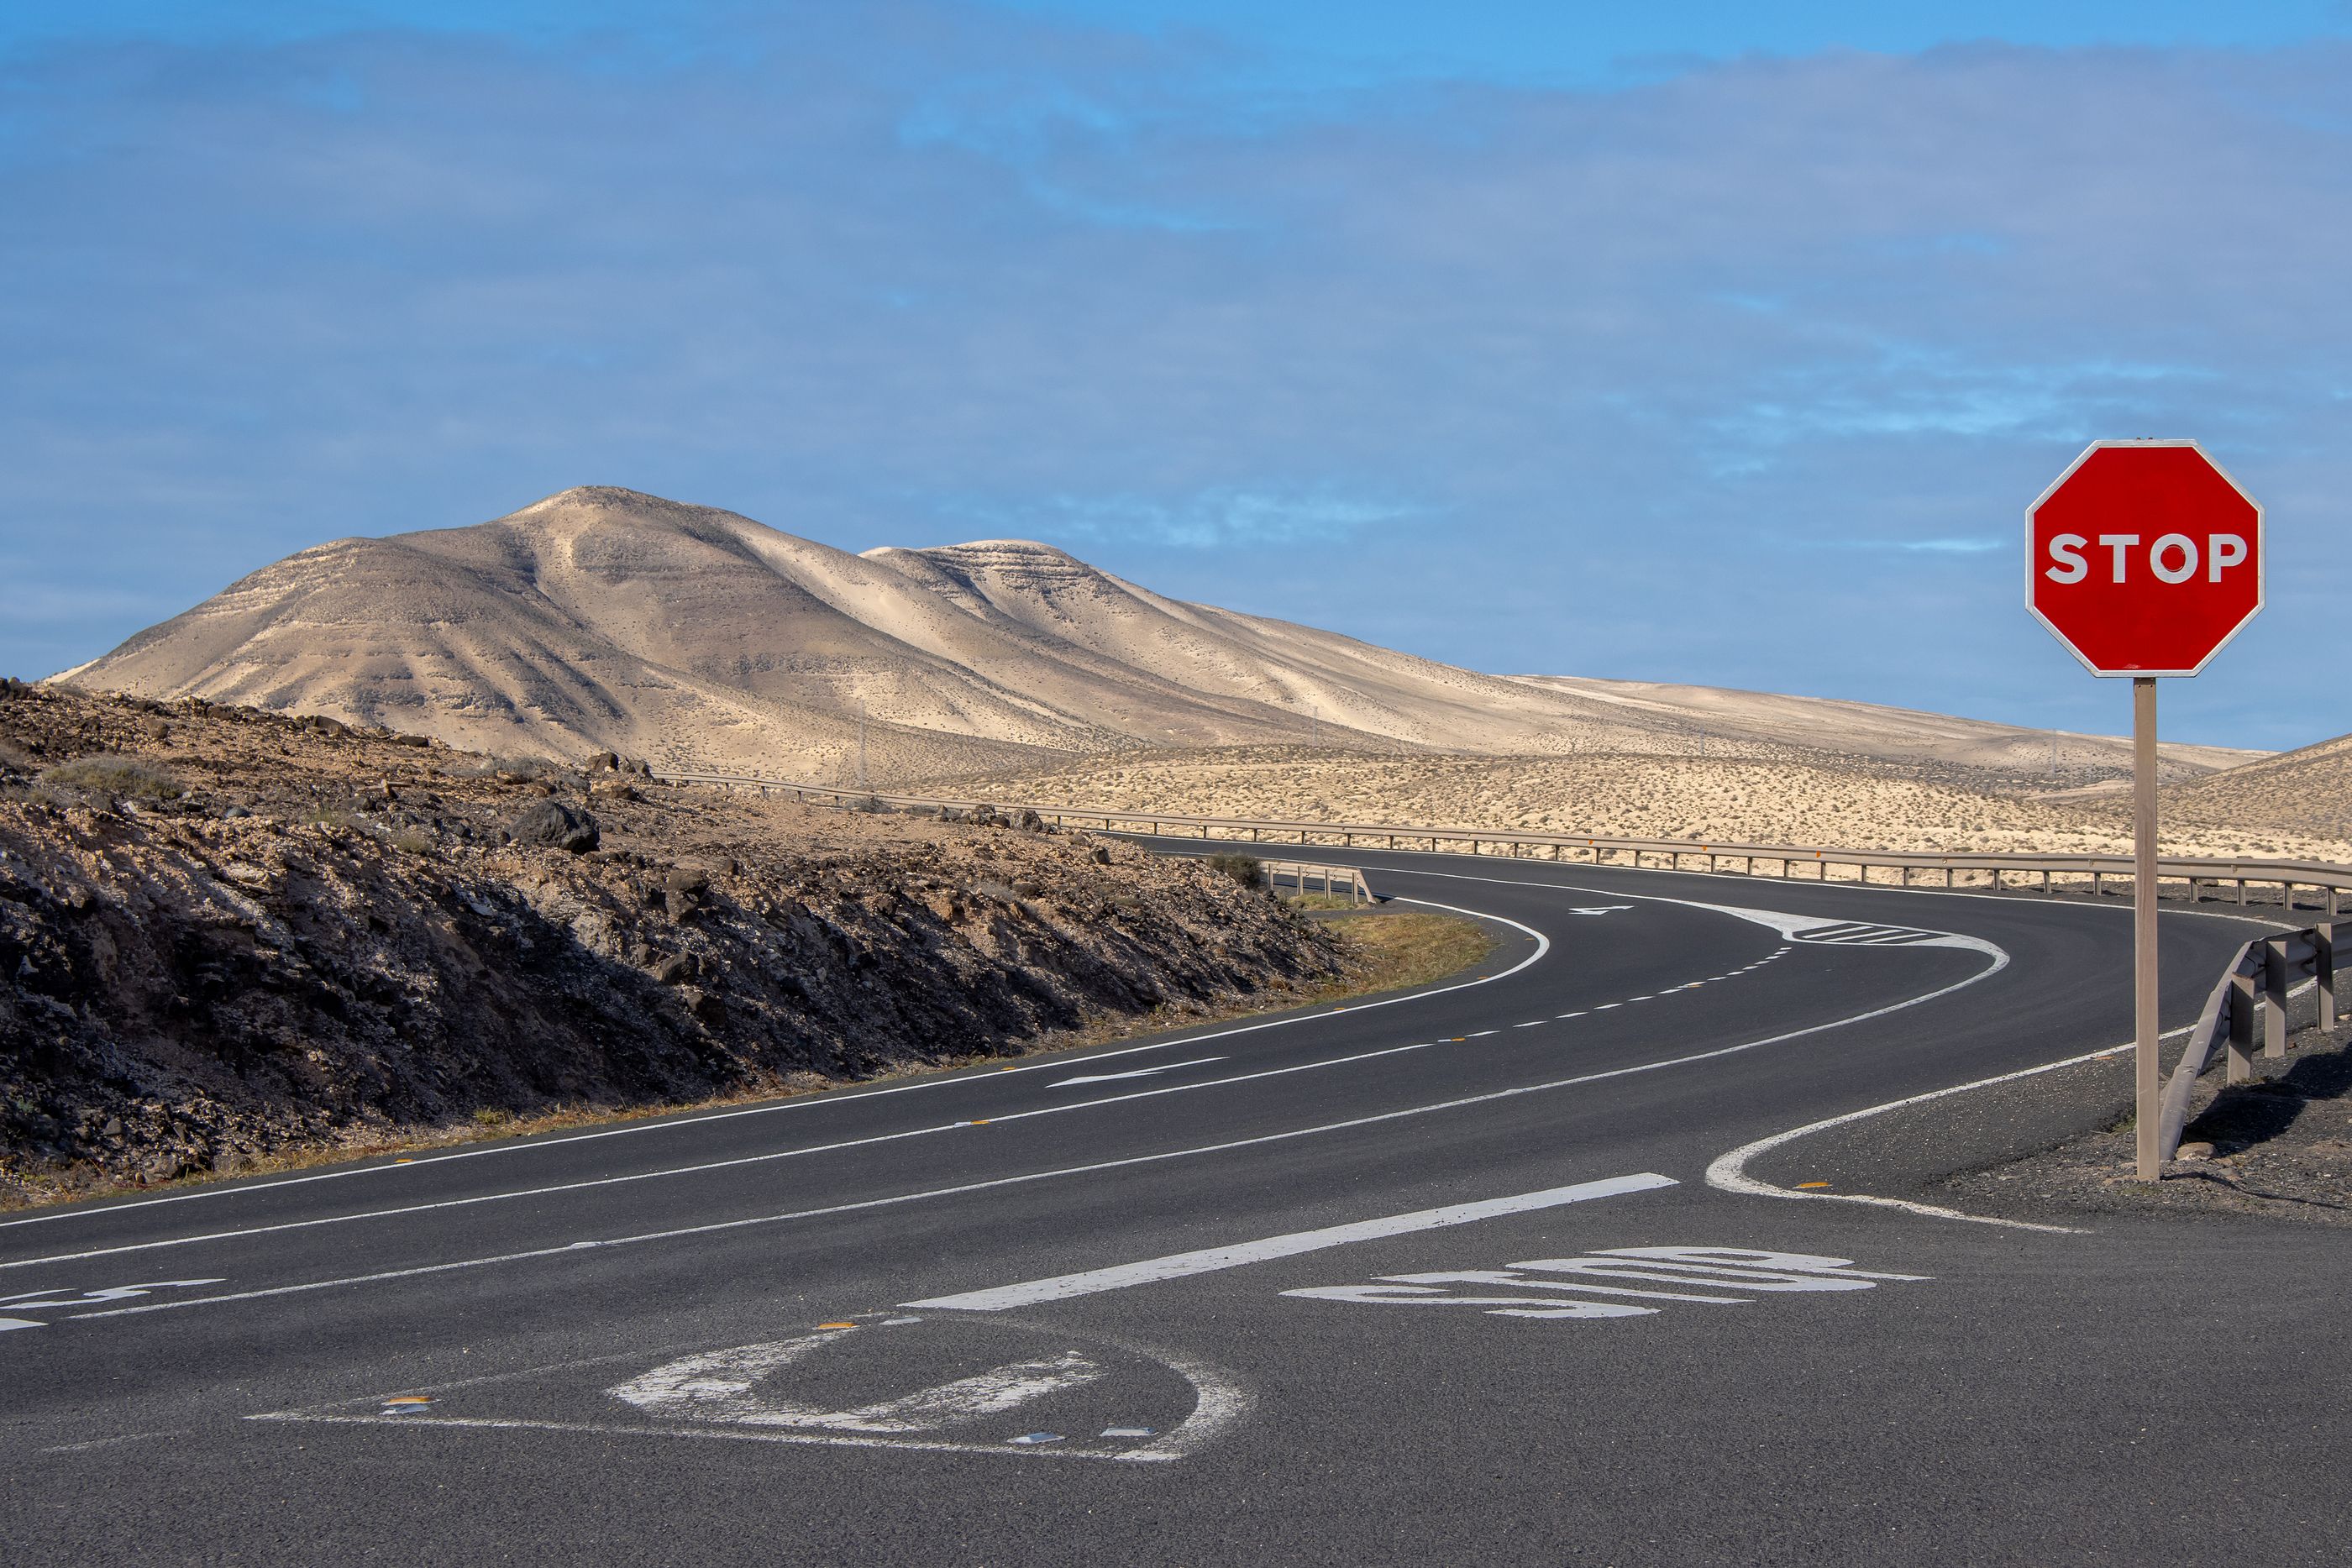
(603, 619)
(1867, 729)
(2307, 791)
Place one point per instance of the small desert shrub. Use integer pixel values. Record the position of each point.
(1246, 870)
(489, 1117)
(119, 776)
(411, 840)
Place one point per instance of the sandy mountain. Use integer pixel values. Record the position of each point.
(603, 619)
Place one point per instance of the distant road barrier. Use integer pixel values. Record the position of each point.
(1334, 879)
(2002, 871)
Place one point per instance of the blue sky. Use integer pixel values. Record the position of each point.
(1670, 342)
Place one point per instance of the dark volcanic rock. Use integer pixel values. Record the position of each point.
(347, 957)
(553, 825)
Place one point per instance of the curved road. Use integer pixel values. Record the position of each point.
(1436, 1278)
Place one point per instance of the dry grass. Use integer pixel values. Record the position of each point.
(124, 778)
(1410, 948)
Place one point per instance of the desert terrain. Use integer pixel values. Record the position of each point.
(1845, 803)
(604, 620)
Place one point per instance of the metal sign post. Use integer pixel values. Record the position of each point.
(2145, 1027)
(2144, 559)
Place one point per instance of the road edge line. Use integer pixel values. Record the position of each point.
(1727, 1172)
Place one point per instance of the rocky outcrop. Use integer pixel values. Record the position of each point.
(238, 936)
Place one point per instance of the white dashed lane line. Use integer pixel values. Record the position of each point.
(1650, 997)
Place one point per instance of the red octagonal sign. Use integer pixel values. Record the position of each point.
(2145, 558)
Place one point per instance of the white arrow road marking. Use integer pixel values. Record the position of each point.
(8, 1323)
(31, 1301)
(1137, 1073)
(1601, 909)
(720, 1386)
(1209, 1259)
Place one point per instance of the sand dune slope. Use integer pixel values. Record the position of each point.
(1866, 729)
(2307, 791)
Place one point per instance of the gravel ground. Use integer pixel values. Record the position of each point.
(2279, 1146)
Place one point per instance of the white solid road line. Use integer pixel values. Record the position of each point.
(1729, 1173)
(724, 1434)
(1490, 1097)
(1051, 1063)
(1543, 947)
(1209, 1259)
(706, 1166)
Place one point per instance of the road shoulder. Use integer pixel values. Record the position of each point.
(2057, 1146)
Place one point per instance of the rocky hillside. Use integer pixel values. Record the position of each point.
(225, 934)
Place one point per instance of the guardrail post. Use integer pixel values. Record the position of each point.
(2242, 1026)
(2241, 892)
(2322, 971)
(2274, 983)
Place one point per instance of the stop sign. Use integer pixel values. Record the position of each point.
(2144, 558)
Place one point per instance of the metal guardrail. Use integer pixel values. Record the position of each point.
(2094, 871)
(2252, 991)
(1335, 879)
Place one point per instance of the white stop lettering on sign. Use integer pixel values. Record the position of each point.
(2172, 559)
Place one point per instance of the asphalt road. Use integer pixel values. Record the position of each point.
(1440, 1278)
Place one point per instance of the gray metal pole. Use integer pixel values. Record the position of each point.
(2323, 970)
(2274, 989)
(2144, 998)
